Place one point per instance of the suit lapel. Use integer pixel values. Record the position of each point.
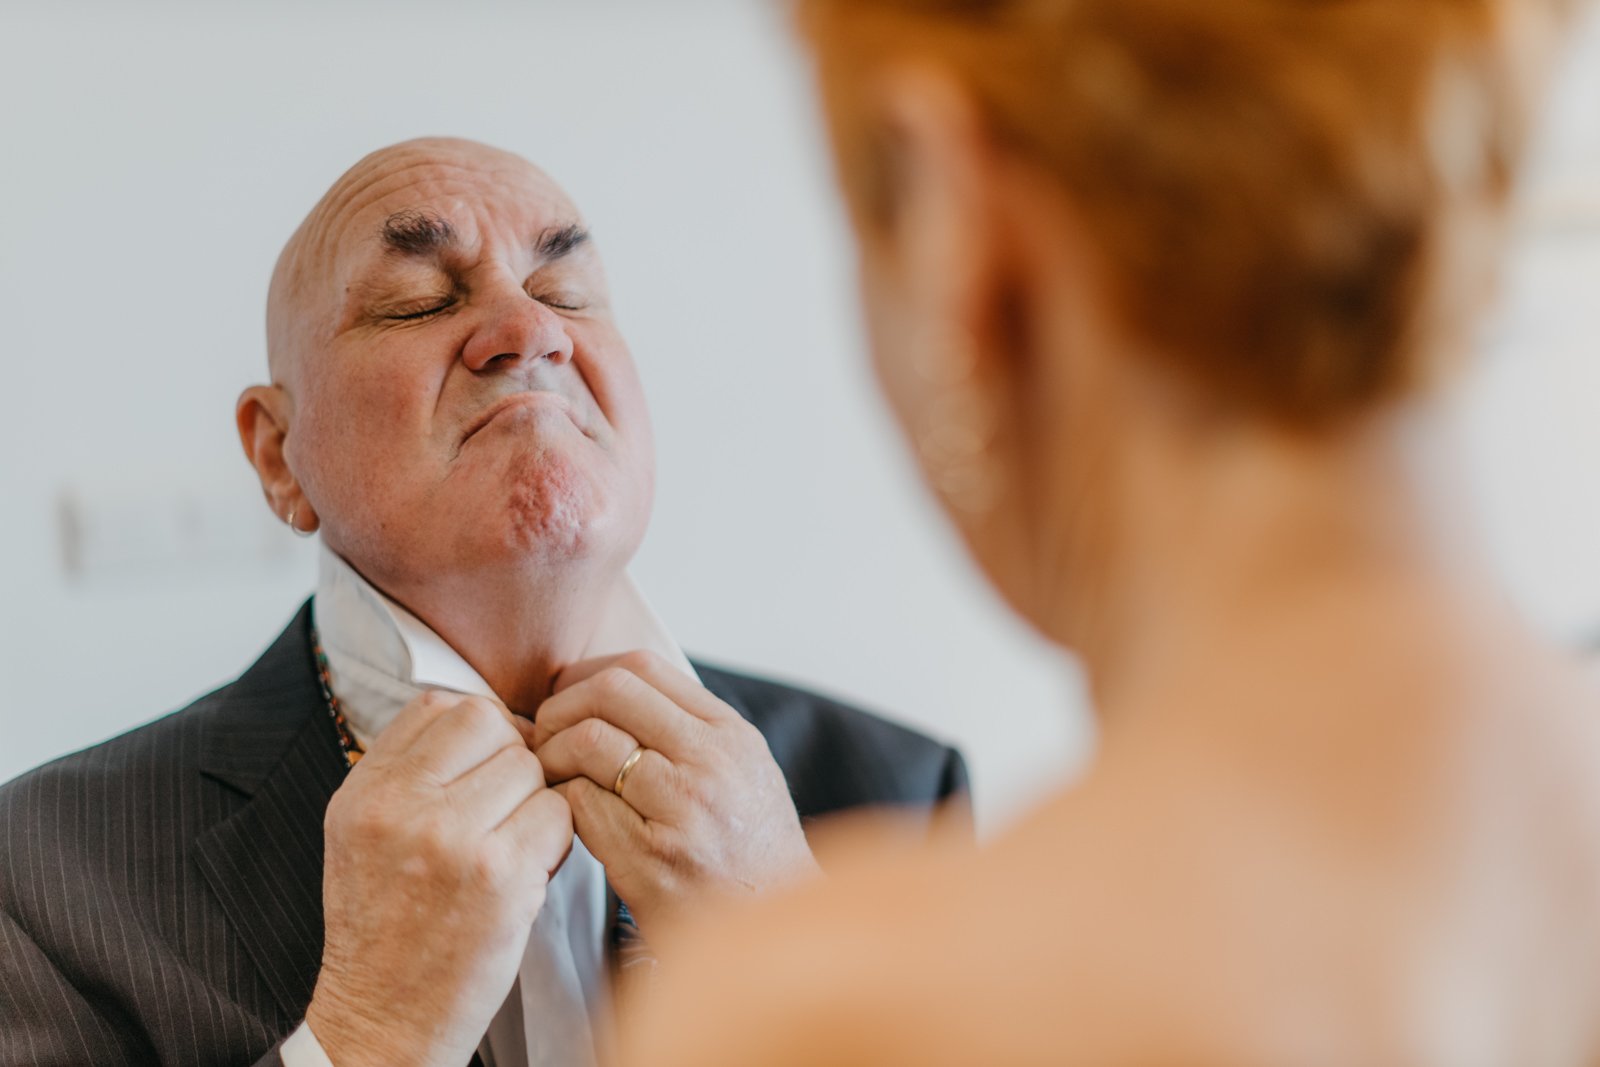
(264, 863)
(271, 741)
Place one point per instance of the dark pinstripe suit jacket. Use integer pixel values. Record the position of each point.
(160, 894)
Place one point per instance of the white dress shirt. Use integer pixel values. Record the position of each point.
(380, 658)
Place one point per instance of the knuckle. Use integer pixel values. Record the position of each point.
(577, 796)
(534, 897)
(681, 782)
(615, 683)
(413, 772)
(638, 661)
(591, 733)
(525, 764)
(478, 712)
(703, 750)
(420, 706)
(492, 864)
(747, 744)
(560, 811)
(536, 770)
(698, 790)
(746, 734)
(704, 737)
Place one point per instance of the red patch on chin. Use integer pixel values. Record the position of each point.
(550, 500)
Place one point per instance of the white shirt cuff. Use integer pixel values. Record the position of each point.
(303, 1050)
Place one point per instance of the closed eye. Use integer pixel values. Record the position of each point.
(420, 313)
(563, 301)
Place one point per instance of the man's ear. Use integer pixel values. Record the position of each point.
(262, 416)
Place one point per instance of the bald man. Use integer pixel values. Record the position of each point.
(474, 777)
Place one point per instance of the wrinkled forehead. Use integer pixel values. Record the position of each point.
(477, 204)
(483, 200)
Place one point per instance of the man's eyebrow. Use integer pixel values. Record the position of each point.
(417, 233)
(559, 241)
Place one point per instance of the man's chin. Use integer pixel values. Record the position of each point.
(554, 510)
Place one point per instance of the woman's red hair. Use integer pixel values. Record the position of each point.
(1298, 202)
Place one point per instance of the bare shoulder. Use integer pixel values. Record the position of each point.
(1027, 951)
(792, 979)
(1268, 898)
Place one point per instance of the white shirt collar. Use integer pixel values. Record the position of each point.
(381, 656)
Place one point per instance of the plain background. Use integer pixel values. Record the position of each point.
(157, 156)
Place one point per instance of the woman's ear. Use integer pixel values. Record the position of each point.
(931, 170)
(939, 276)
(262, 417)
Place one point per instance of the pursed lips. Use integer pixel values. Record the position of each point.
(529, 398)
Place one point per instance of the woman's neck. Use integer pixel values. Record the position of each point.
(1218, 542)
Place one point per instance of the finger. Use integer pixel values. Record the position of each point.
(596, 750)
(414, 718)
(461, 737)
(525, 728)
(627, 702)
(665, 677)
(609, 828)
(540, 829)
(491, 791)
(586, 749)
(573, 673)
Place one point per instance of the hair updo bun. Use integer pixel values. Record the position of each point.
(1298, 203)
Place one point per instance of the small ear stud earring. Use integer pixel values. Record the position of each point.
(290, 520)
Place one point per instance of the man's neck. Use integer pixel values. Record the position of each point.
(519, 630)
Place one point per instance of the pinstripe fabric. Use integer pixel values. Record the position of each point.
(160, 894)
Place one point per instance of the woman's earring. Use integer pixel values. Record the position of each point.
(956, 442)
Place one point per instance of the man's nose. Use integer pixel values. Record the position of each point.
(517, 329)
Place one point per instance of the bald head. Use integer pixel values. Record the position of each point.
(451, 399)
(452, 407)
(378, 204)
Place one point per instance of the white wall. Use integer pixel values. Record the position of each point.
(158, 156)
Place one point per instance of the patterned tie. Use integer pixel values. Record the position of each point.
(628, 946)
(633, 964)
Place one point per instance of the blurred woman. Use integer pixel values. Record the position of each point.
(1167, 296)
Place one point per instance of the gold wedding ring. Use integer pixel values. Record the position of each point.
(627, 765)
